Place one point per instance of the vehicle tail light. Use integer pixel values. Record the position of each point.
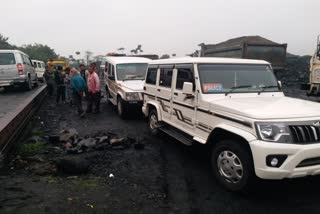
(20, 68)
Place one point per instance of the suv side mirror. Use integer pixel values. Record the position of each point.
(280, 84)
(111, 78)
(187, 88)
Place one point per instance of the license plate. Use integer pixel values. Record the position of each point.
(133, 102)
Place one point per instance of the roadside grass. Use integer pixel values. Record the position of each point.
(29, 149)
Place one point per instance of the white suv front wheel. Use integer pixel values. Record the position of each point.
(121, 108)
(153, 122)
(232, 165)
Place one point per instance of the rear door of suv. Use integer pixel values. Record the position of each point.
(8, 66)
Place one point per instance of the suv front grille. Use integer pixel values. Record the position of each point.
(305, 134)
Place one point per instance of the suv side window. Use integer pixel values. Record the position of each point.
(23, 59)
(166, 77)
(151, 76)
(106, 67)
(112, 70)
(39, 65)
(184, 75)
(35, 64)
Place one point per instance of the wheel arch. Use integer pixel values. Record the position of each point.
(227, 132)
(153, 105)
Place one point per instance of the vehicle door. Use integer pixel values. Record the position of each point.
(150, 85)
(111, 80)
(183, 105)
(8, 66)
(31, 68)
(164, 91)
(26, 66)
(34, 63)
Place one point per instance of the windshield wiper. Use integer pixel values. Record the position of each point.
(266, 87)
(237, 87)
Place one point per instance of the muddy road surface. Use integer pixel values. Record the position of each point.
(141, 174)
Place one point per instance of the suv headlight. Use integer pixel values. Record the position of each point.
(274, 132)
(132, 96)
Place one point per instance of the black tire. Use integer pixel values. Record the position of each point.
(153, 115)
(28, 84)
(121, 108)
(224, 170)
(36, 84)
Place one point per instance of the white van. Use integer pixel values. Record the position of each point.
(124, 79)
(40, 68)
(238, 109)
(16, 69)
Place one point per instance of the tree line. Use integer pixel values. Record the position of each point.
(35, 51)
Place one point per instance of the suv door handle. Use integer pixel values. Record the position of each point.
(158, 90)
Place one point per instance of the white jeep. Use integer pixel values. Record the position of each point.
(237, 107)
(124, 79)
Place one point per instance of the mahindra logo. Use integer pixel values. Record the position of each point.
(317, 123)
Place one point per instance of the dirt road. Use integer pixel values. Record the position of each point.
(162, 177)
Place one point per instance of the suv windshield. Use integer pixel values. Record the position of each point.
(237, 78)
(7, 59)
(131, 71)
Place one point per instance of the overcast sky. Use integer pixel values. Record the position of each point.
(161, 26)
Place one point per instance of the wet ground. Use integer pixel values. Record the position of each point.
(10, 99)
(163, 177)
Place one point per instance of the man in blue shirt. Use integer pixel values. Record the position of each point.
(79, 87)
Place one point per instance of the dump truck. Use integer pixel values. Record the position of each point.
(314, 80)
(248, 47)
(55, 62)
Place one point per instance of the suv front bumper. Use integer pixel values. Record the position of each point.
(291, 167)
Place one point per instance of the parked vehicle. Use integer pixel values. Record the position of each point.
(249, 47)
(53, 63)
(314, 84)
(124, 78)
(236, 107)
(40, 68)
(16, 69)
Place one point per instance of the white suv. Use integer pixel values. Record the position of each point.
(40, 68)
(236, 107)
(16, 69)
(124, 79)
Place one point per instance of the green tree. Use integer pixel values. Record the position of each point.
(4, 44)
(39, 52)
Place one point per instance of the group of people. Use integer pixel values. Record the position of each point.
(73, 86)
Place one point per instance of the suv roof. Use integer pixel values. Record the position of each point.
(12, 51)
(121, 60)
(34, 60)
(218, 60)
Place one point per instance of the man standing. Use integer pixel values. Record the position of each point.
(83, 72)
(61, 87)
(48, 77)
(79, 86)
(93, 83)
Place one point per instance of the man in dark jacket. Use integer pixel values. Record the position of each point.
(61, 87)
